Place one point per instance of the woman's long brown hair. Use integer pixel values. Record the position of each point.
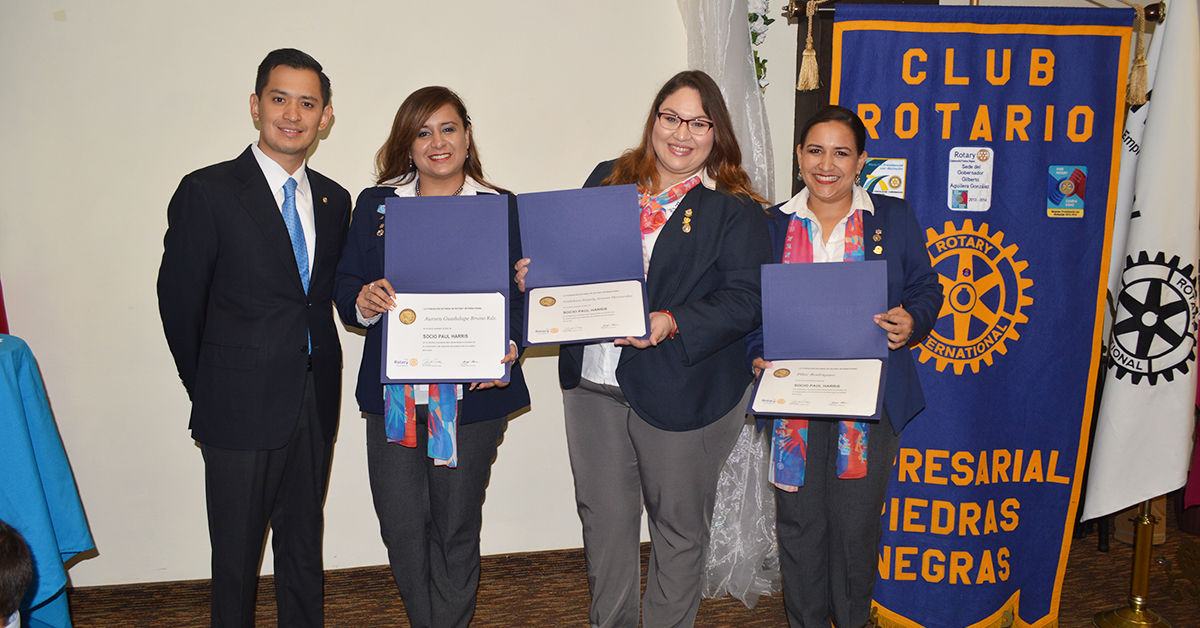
(724, 163)
(393, 161)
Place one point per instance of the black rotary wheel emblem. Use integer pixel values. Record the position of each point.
(1154, 331)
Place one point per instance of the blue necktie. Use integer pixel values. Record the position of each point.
(291, 218)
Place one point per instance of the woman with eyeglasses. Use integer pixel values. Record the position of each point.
(430, 511)
(651, 421)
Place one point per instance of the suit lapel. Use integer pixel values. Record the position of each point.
(675, 248)
(258, 201)
(324, 218)
(874, 235)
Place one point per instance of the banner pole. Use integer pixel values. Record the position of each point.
(1136, 615)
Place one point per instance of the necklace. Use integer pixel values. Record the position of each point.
(456, 192)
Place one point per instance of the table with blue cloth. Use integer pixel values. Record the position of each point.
(37, 490)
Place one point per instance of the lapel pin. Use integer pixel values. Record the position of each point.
(687, 228)
(382, 208)
(687, 212)
(878, 250)
(877, 237)
(325, 199)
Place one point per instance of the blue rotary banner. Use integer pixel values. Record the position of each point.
(1002, 127)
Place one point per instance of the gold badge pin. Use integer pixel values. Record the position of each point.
(687, 228)
(687, 212)
(878, 250)
(325, 199)
(876, 237)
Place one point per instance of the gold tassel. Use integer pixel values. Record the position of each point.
(1135, 92)
(808, 78)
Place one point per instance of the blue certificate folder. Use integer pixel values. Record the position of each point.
(446, 245)
(825, 312)
(580, 237)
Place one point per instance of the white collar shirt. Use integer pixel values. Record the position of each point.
(835, 249)
(276, 178)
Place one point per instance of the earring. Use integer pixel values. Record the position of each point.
(468, 155)
(410, 162)
(857, 178)
(799, 174)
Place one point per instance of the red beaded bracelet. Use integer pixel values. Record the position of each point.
(674, 325)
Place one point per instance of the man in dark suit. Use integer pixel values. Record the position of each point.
(245, 292)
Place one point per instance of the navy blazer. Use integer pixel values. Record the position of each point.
(911, 282)
(362, 263)
(710, 281)
(235, 313)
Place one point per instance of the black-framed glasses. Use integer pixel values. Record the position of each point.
(696, 126)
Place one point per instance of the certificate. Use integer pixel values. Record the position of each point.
(832, 388)
(829, 357)
(446, 338)
(585, 280)
(447, 257)
(575, 313)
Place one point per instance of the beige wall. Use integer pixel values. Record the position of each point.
(108, 104)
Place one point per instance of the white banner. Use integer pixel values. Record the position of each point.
(1144, 431)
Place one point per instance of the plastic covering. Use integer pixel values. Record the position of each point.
(743, 554)
(718, 36)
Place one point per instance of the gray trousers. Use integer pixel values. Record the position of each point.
(430, 518)
(829, 531)
(619, 461)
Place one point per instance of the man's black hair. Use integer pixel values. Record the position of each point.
(293, 59)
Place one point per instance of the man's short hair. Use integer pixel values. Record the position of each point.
(293, 59)
(16, 570)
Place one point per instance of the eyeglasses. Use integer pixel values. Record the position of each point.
(696, 126)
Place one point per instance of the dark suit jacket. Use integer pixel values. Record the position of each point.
(235, 313)
(710, 281)
(362, 263)
(911, 282)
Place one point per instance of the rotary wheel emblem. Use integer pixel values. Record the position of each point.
(1154, 331)
(985, 293)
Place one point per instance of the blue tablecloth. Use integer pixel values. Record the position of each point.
(37, 490)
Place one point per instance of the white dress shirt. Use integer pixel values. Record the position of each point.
(276, 178)
(835, 249)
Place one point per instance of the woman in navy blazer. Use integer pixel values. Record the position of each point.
(651, 421)
(829, 527)
(429, 515)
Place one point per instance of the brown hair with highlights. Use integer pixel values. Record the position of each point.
(724, 164)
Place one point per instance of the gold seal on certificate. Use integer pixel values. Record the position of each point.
(834, 388)
(446, 338)
(594, 311)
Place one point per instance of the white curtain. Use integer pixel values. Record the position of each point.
(718, 36)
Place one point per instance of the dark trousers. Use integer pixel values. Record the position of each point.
(285, 488)
(829, 531)
(430, 517)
